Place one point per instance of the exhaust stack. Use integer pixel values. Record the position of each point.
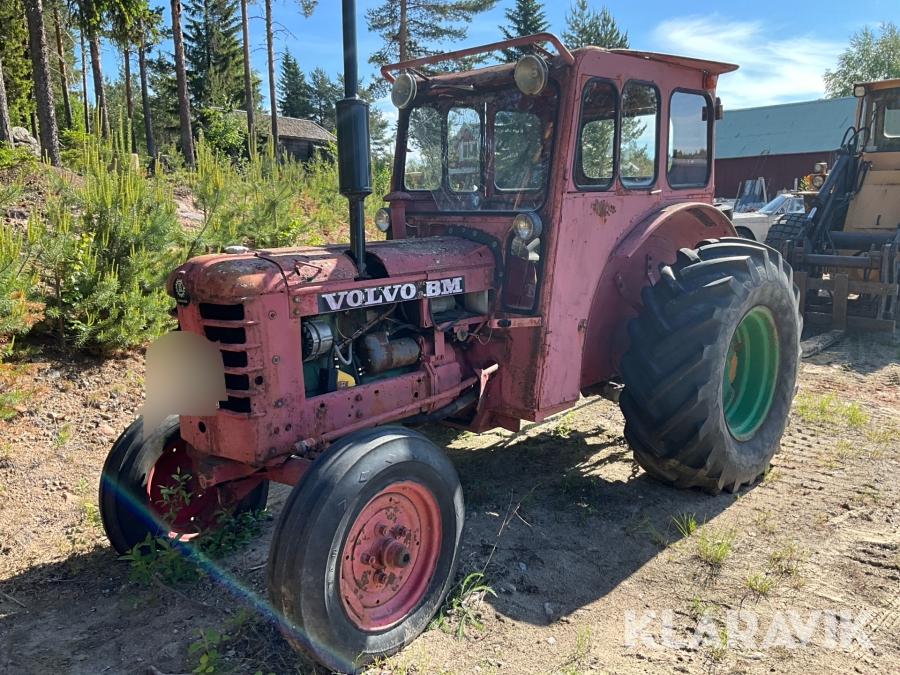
(354, 160)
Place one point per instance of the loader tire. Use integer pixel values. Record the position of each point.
(712, 365)
(785, 229)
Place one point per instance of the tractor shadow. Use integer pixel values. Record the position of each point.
(557, 518)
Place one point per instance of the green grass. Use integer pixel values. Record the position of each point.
(760, 584)
(714, 544)
(764, 522)
(826, 409)
(786, 561)
(463, 606)
(685, 523)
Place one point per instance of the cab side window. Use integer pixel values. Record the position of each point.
(596, 159)
(638, 144)
(690, 131)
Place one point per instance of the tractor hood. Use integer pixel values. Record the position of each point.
(235, 278)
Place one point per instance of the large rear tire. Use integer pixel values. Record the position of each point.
(712, 366)
(136, 472)
(366, 547)
(787, 228)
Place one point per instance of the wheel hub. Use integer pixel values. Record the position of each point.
(751, 372)
(390, 555)
(174, 495)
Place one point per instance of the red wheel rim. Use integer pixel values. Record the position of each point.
(389, 555)
(185, 517)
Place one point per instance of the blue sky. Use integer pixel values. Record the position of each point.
(782, 48)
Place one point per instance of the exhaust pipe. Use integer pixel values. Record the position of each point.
(354, 159)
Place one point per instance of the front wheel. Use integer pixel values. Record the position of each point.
(366, 547)
(149, 487)
(712, 365)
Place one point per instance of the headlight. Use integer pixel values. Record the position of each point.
(404, 90)
(531, 74)
(527, 226)
(817, 180)
(383, 220)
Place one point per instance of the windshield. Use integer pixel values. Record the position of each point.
(773, 205)
(482, 151)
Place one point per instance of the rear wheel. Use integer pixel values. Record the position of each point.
(785, 229)
(712, 366)
(366, 547)
(149, 487)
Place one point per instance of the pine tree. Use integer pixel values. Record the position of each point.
(181, 80)
(415, 28)
(5, 128)
(293, 89)
(16, 61)
(213, 52)
(324, 93)
(585, 26)
(164, 99)
(525, 18)
(43, 91)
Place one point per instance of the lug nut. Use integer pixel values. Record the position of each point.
(379, 577)
(365, 559)
(381, 529)
(400, 531)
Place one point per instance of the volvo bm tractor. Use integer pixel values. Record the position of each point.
(550, 233)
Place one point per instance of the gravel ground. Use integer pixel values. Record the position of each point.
(570, 534)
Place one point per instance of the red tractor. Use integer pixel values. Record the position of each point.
(550, 233)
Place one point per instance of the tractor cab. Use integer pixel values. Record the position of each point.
(553, 161)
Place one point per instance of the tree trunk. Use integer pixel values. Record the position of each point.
(87, 107)
(43, 93)
(63, 78)
(401, 34)
(99, 89)
(145, 99)
(129, 108)
(248, 76)
(184, 103)
(5, 128)
(272, 98)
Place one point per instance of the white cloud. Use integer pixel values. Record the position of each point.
(773, 69)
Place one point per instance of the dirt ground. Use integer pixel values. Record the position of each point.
(570, 534)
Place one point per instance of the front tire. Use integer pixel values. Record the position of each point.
(712, 366)
(366, 547)
(134, 475)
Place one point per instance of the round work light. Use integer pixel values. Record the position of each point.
(531, 74)
(817, 180)
(404, 90)
(527, 226)
(383, 220)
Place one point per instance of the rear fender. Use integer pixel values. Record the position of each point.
(633, 264)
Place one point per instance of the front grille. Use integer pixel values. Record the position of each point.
(228, 325)
(239, 382)
(234, 359)
(221, 312)
(236, 404)
(225, 335)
